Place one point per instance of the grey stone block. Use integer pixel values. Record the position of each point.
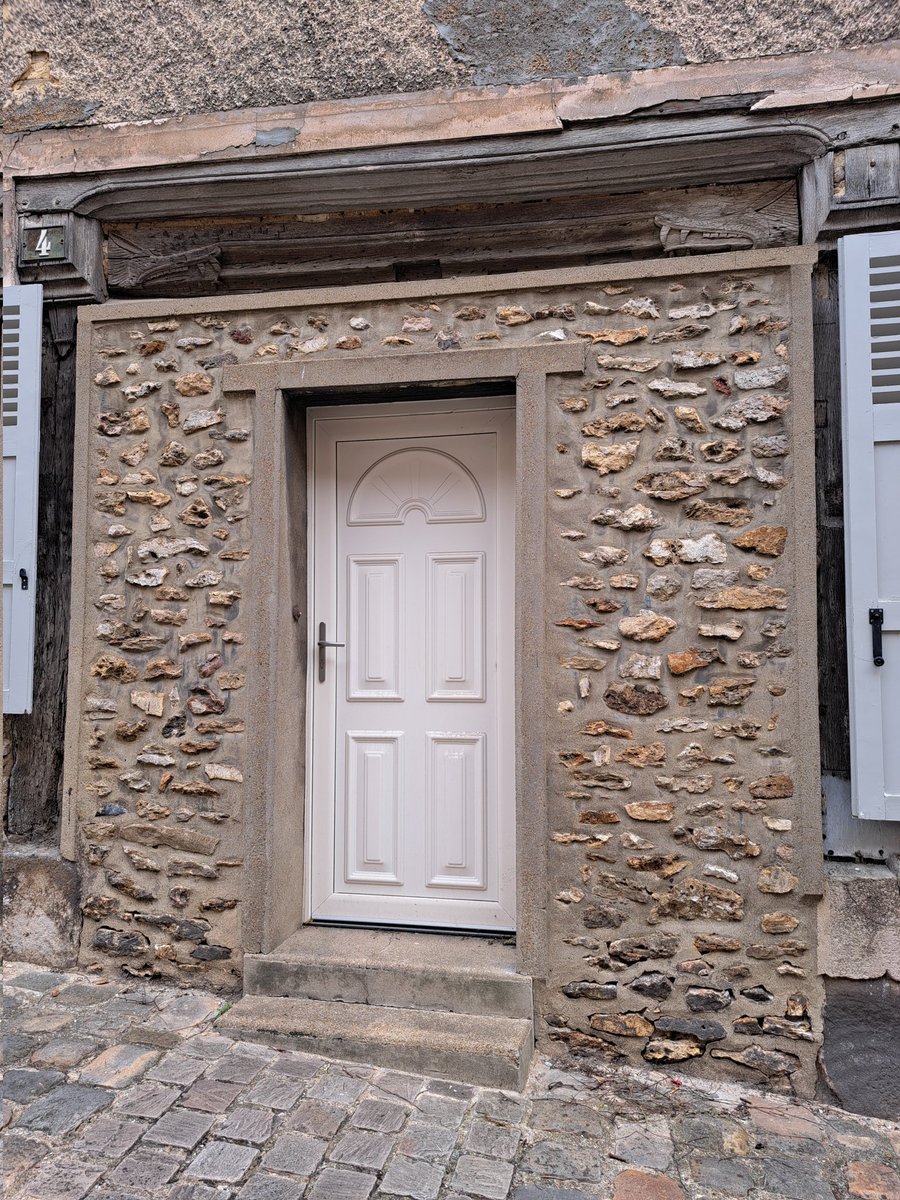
(64, 1108)
(359, 1148)
(380, 1116)
(147, 1169)
(211, 1095)
(398, 1083)
(208, 1045)
(247, 1125)
(796, 1178)
(118, 1066)
(585, 1163)
(442, 1109)
(222, 1162)
(486, 1177)
(61, 1054)
(41, 917)
(187, 1190)
(533, 1191)
(301, 1066)
(413, 1177)
(270, 1187)
(337, 1086)
(60, 1178)
(22, 1084)
(180, 1127)
(502, 1106)
(317, 1118)
(177, 1068)
(862, 1031)
(37, 981)
(235, 1068)
(108, 1136)
(146, 1100)
(561, 1116)
(17, 1046)
(280, 1092)
(295, 1154)
(333, 1183)
(424, 1139)
(645, 1143)
(495, 1141)
(728, 1175)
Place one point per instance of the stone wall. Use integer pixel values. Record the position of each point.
(677, 928)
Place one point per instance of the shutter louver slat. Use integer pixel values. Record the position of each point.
(870, 364)
(21, 398)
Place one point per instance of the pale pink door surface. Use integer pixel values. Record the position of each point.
(412, 802)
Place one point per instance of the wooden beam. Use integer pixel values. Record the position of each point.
(195, 258)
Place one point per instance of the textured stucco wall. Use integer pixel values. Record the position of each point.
(676, 785)
(68, 62)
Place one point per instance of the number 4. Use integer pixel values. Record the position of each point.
(43, 246)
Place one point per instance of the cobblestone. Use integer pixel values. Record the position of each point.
(186, 1114)
(223, 1162)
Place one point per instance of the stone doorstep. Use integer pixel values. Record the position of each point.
(396, 969)
(489, 1051)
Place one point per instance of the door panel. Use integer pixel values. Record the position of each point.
(376, 601)
(411, 747)
(454, 640)
(372, 804)
(456, 817)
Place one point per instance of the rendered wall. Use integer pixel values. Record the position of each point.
(71, 62)
(681, 737)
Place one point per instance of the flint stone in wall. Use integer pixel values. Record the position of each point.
(120, 943)
(703, 1031)
(639, 699)
(669, 1051)
(152, 834)
(694, 900)
(769, 1063)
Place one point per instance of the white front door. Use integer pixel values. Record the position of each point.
(411, 790)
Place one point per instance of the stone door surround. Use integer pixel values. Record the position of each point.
(271, 850)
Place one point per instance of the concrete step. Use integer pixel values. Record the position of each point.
(394, 969)
(488, 1051)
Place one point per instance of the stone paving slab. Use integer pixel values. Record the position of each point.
(171, 1110)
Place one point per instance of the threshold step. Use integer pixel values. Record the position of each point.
(394, 969)
(488, 1051)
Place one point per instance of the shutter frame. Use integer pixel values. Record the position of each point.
(870, 416)
(22, 312)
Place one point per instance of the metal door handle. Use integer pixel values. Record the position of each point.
(876, 620)
(322, 643)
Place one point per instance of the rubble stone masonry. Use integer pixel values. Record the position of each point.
(677, 927)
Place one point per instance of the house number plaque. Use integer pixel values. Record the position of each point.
(43, 244)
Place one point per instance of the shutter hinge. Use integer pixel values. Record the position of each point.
(23, 577)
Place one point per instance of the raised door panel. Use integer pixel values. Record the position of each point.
(421, 478)
(373, 807)
(375, 599)
(456, 811)
(455, 634)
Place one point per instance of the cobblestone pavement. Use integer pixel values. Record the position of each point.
(120, 1092)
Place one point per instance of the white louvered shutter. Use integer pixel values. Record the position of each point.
(869, 272)
(21, 440)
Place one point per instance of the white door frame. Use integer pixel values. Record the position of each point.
(401, 419)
